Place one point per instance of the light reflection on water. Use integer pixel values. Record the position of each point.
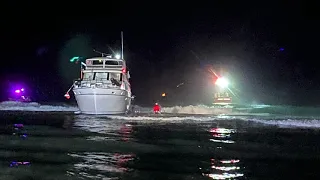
(101, 163)
(223, 168)
(91, 147)
(222, 135)
(123, 131)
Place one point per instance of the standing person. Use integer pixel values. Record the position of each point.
(156, 108)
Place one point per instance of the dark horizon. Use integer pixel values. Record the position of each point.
(267, 50)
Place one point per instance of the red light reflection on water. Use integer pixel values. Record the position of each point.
(221, 134)
(126, 131)
(222, 130)
(122, 160)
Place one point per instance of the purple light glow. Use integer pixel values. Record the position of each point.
(15, 163)
(17, 91)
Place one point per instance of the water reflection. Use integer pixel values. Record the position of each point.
(100, 164)
(15, 163)
(97, 124)
(160, 157)
(126, 132)
(18, 129)
(107, 129)
(222, 135)
(223, 168)
(68, 122)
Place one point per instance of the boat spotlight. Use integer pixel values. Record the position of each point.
(222, 82)
(117, 56)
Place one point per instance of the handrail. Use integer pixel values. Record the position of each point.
(100, 81)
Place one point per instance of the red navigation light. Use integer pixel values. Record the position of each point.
(124, 70)
(67, 96)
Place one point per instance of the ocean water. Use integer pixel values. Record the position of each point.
(51, 142)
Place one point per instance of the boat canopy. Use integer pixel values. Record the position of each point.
(105, 63)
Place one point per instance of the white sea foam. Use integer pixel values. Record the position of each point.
(173, 114)
(34, 106)
(290, 123)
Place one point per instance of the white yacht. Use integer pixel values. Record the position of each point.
(104, 86)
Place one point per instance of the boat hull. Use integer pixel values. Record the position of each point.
(102, 100)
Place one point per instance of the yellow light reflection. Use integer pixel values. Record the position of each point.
(224, 168)
(223, 141)
(221, 170)
(224, 175)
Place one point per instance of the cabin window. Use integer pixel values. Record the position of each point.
(100, 76)
(116, 76)
(88, 76)
(111, 63)
(97, 62)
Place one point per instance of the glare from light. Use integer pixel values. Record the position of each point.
(222, 82)
(117, 56)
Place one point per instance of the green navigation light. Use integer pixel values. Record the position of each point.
(76, 58)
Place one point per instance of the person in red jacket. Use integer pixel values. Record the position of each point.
(156, 108)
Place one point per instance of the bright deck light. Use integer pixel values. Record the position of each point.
(222, 82)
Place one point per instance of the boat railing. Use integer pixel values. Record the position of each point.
(100, 82)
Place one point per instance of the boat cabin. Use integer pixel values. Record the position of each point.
(105, 63)
(104, 70)
(222, 98)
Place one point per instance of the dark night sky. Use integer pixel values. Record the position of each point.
(243, 39)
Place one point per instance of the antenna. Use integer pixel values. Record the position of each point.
(121, 45)
(102, 53)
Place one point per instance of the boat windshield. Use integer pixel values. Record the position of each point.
(102, 76)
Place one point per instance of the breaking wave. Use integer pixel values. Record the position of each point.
(280, 116)
(185, 110)
(34, 106)
(245, 110)
(97, 124)
(290, 123)
(169, 118)
(199, 109)
(280, 122)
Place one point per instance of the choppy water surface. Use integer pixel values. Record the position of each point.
(60, 145)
